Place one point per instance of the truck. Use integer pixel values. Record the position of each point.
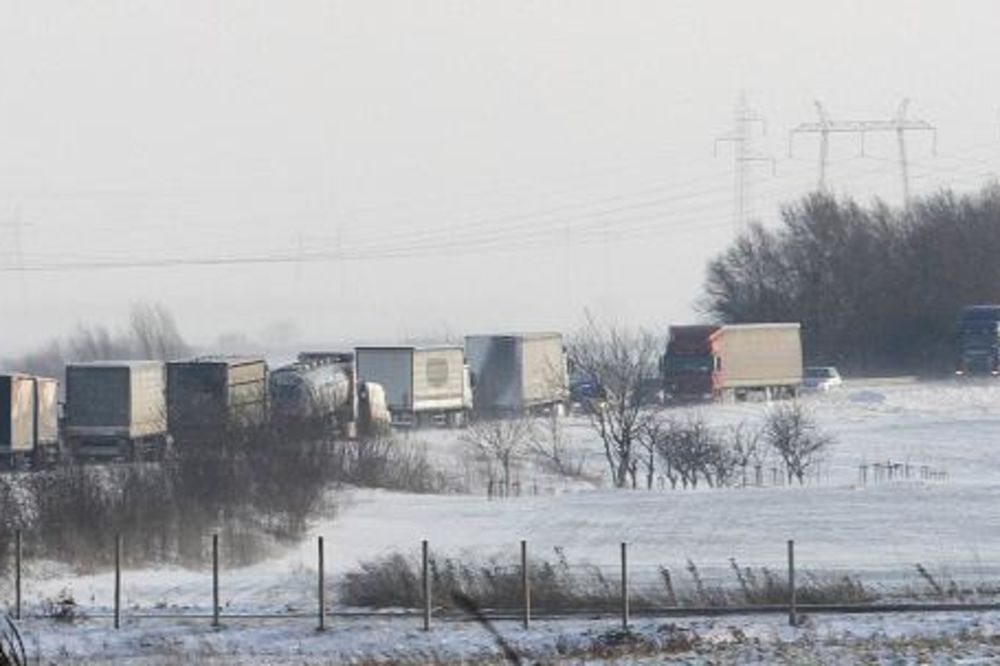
(319, 389)
(977, 340)
(313, 391)
(732, 361)
(213, 393)
(116, 408)
(517, 373)
(422, 385)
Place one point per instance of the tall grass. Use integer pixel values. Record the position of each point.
(394, 581)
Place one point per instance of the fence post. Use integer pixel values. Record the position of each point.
(215, 580)
(427, 584)
(624, 586)
(118, 581)
(322, 590)
(525, 584)
(792, 604)
(17, 574)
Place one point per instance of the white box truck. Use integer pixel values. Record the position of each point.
(517, 373)
(115, 408)
(421, 384)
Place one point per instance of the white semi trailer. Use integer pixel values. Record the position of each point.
(115, 408)
(29, 418)
(422, 385)
(517, 373)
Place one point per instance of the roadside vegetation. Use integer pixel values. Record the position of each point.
(394, 581)
(259, 491)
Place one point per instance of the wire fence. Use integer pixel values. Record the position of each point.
(426, 587)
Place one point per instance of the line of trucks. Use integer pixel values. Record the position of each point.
(115, 409)
(131, 408)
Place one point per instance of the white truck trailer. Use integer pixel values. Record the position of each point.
(115, 408)
(422, 385)
(517, 373)
(29, 419)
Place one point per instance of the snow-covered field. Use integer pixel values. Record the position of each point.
(878, 531)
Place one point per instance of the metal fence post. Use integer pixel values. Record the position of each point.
(525, 584)
(322, 588)
(625, 608)
(215, 580)
(792, 609)
(18, 543)
(118, 581)
(425, 548)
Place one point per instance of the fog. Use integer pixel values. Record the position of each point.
(379, 170)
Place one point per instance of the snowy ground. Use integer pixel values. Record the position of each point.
(876, 531)
(876, 639)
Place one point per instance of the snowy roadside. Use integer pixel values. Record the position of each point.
(876, 533)
(828, 639)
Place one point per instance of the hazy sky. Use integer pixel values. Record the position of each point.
(440, 167)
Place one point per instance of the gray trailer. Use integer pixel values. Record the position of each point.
(213, 393)
(421, 384)
(115, 408)
(517, 373)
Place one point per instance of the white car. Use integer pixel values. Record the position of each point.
(821, 378)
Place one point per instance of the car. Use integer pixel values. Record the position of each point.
(821, 378)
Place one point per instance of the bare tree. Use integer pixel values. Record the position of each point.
(745, 446)
(689, 451)
(621, 362)
(691, 447)
(155, 334)
(96, 343)
(551, 448)
(152, 334)
(792, 432)
(501, 442)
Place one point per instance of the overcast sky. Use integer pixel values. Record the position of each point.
(435, 168)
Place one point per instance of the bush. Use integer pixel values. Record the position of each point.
(256, 486)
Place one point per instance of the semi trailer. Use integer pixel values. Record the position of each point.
(732, 361)
(210, 393)
(29, 419)
(517, 373)
(422, 385)
(115, 408)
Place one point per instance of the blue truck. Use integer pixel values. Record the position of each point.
(977, 339)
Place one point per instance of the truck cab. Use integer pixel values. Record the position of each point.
(977, 334)
(690, 365)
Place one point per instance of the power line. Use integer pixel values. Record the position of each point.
(744, 155)
(899, 124)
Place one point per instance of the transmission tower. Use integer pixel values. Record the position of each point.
(899, 124)
(741, 137)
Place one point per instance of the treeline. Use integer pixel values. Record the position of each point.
(876, 288)
(152, 333)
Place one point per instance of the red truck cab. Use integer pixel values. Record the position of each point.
(691, 367)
